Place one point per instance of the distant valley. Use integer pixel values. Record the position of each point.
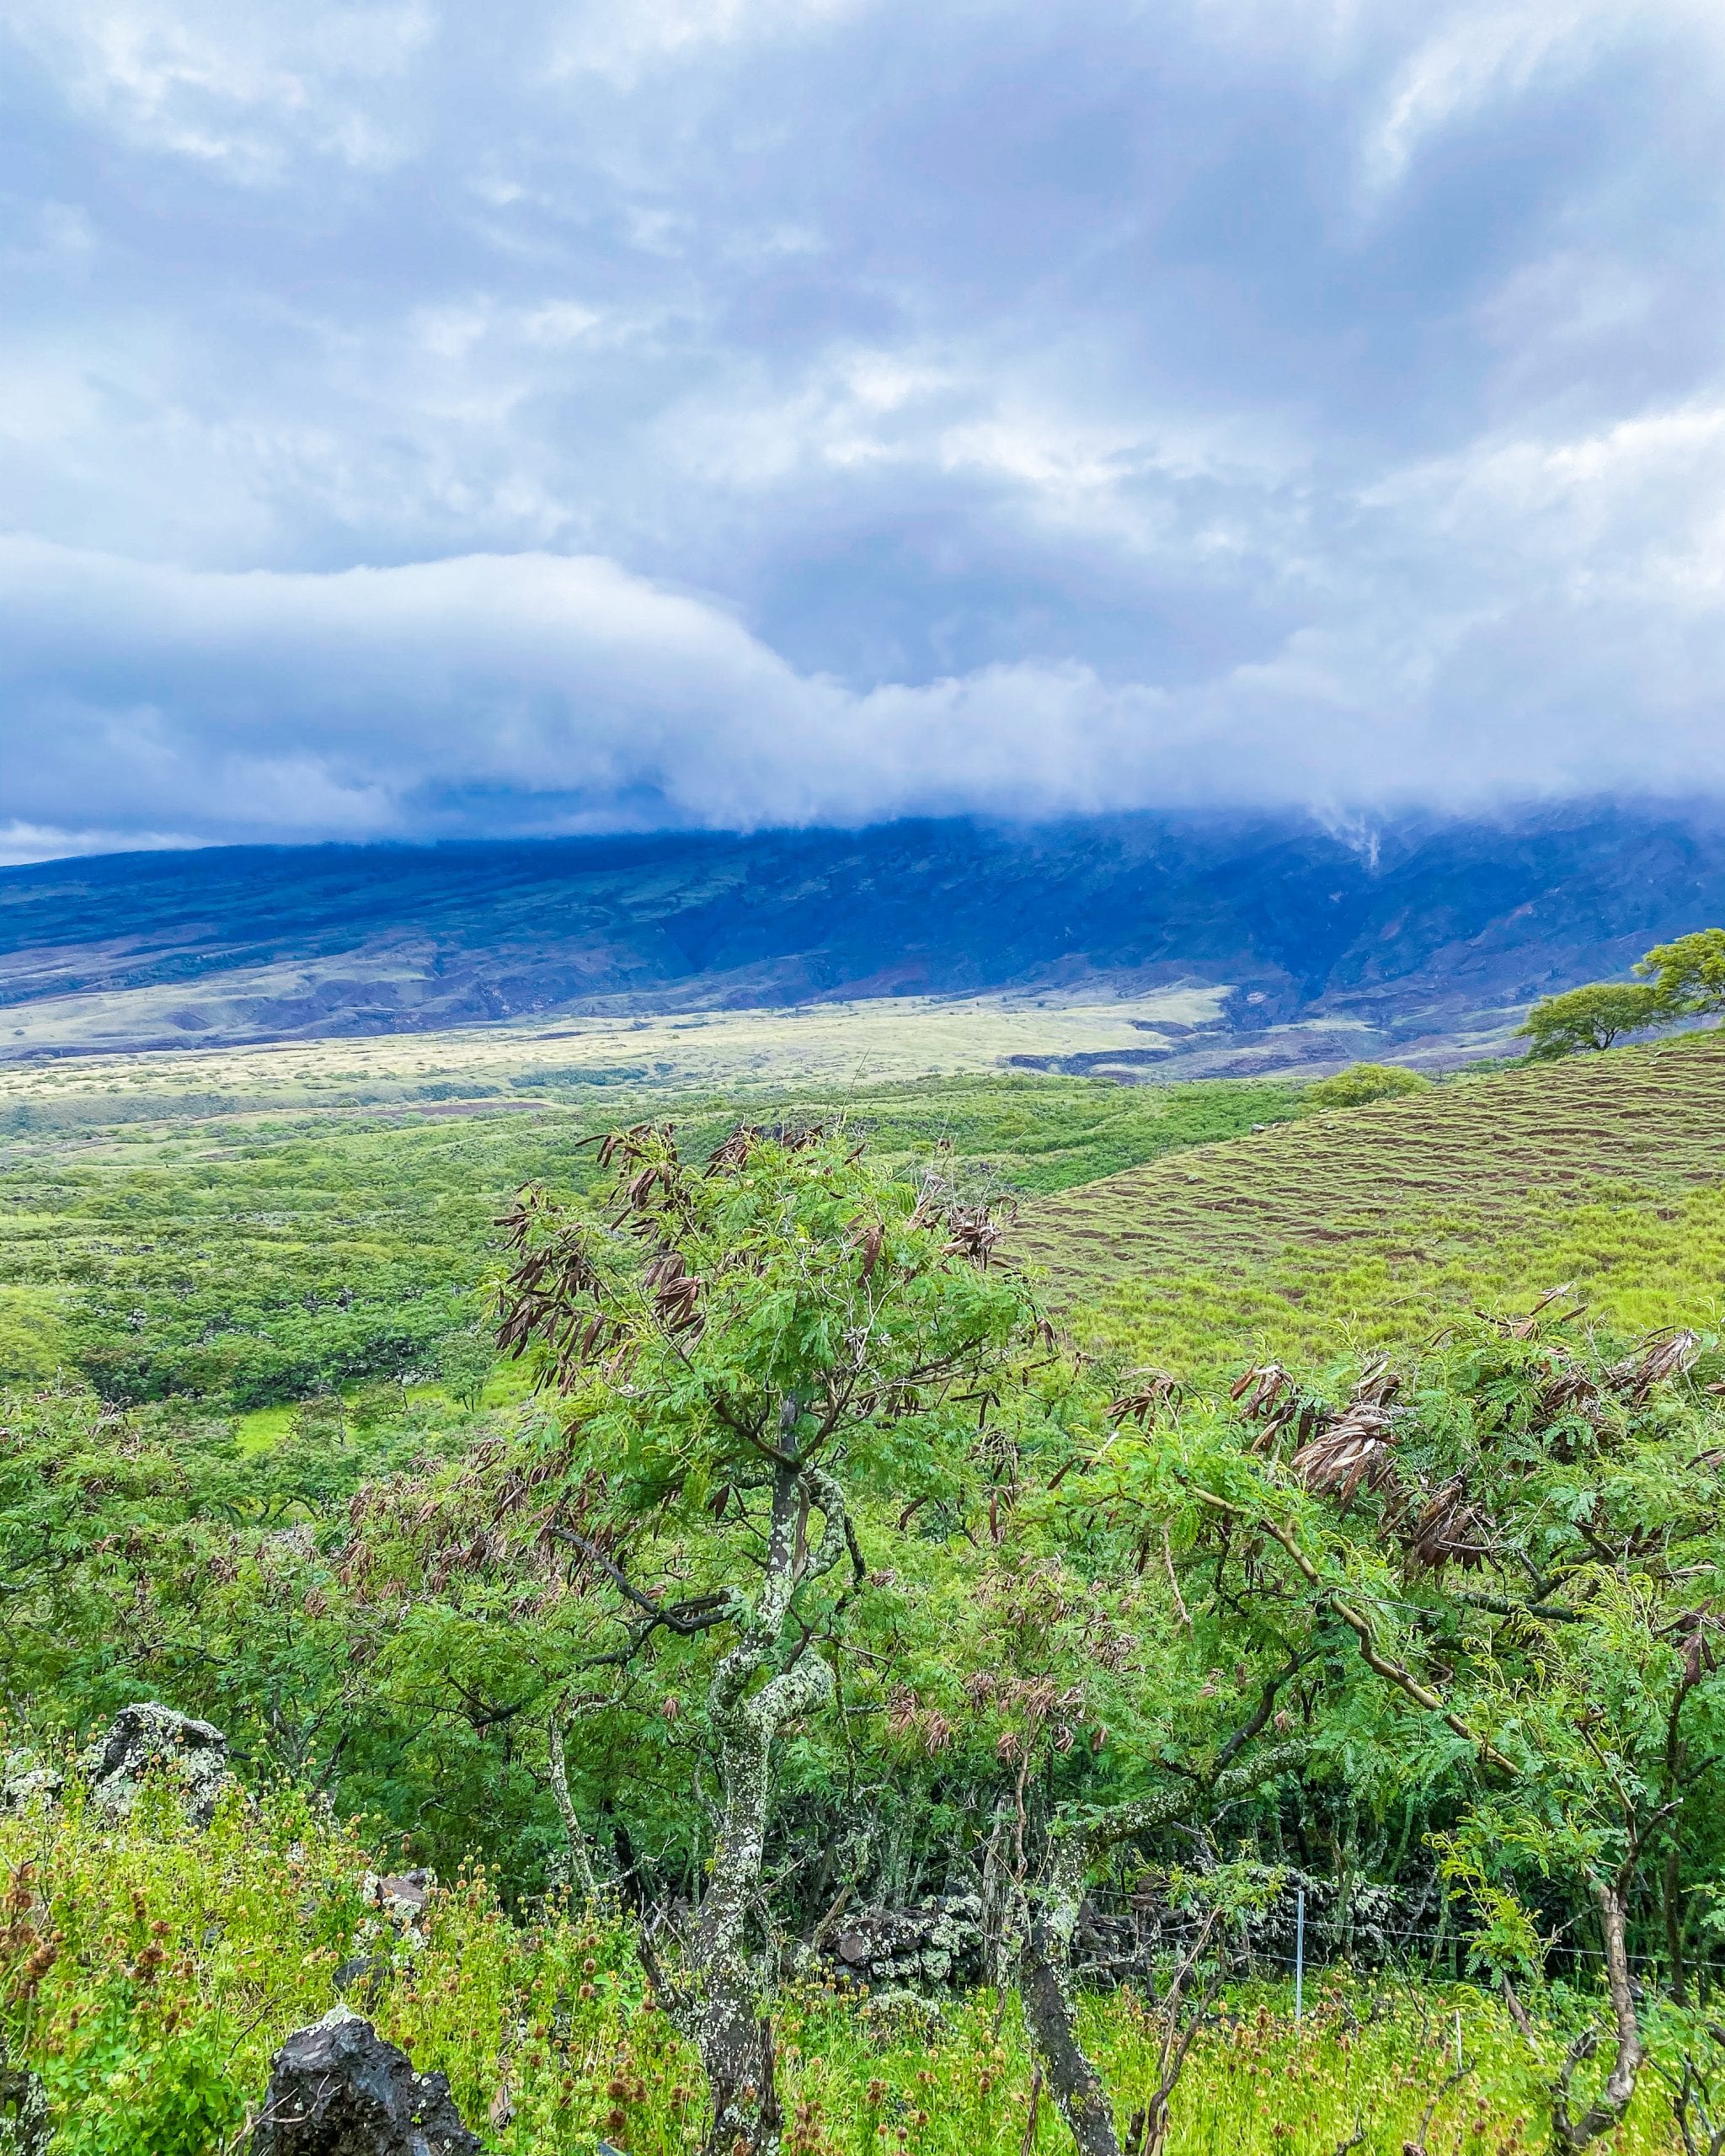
(1239, 943)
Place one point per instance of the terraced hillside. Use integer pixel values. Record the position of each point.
(1363, 1226)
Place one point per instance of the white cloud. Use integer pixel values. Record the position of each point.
(238, 88)
(556, 693)
(701, 412)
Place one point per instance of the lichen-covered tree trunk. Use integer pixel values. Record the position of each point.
(1050, 2010)
(1571, 2135)
(723, 2008)
(1045, 1975)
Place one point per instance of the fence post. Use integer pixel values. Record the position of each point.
(1299, 1956)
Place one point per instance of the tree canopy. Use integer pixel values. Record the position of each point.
(1596, 1016)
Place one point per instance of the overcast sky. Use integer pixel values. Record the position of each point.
(423, 418)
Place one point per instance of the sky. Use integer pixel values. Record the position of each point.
(424, 421)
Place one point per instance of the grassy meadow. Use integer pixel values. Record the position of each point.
(1356, 1229)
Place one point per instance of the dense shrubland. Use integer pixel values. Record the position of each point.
(245, 1260)
(824, 1573)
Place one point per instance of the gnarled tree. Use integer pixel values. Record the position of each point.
(765, 1341)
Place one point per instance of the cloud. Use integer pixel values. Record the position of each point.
(413, 421)
(537, 692)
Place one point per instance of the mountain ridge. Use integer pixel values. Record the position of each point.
(1432, 928)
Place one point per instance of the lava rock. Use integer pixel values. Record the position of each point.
(937, 1942)
(150, 1738)
(339, 2088)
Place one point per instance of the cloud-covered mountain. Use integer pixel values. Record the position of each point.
(1426, 931)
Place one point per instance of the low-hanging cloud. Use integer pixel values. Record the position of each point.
(833, 410)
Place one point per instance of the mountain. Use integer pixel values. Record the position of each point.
(1426, 931)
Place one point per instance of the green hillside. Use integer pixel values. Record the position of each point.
(247, 1258)
(1369, 1226)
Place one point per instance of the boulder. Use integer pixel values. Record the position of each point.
(338, 2088)
(937, 1942)
(149, 1738)
(24, 1780)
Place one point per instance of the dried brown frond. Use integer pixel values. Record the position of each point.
(736, 1149)
(1448, 1529)
(868, 1236)
(1146, 1394)
(1356, 1447)
(1378, 1384)
(1569, 1391)
(637, 1143)
(550, 1294)
(1260, 1388)
(1662, 1356)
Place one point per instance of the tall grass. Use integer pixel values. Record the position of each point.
(151, 1969)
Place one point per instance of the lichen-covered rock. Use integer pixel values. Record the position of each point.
(149, 1738)
(25, 2129)
(338, 2088)
(938, 1942)
(23, 1781)
(380, 1941)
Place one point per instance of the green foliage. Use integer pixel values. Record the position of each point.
(1362, 1082)
(1596, 1018)
(1689, 974)
(244, 1264)
(176, 1961)
(465, 1362)
(389, 1595)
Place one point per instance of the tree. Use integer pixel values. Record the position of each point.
(464, 1366)
(1361, 1082)
(762, 1341)
(1689, 974)
(1593, 1017)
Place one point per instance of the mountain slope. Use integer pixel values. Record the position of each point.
(1372, 1226)
(1433, 929)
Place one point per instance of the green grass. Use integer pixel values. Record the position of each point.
(252, 1260)
(151, 1970)
(1367, 1227)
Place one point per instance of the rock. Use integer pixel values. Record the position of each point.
(401, 1898)
(338, 2088)
(937, 1942)
(150, 1738)
(25, 2128)
(24, 1779)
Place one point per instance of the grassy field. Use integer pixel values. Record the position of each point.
(546, 2032)
(1363, 1227)
(249, 1256)
(885, 1039)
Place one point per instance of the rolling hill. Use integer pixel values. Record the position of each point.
(1367, 1227)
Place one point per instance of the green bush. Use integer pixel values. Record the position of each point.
(1361, 1082)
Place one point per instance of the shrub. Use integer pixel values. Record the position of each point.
(1361, 1082)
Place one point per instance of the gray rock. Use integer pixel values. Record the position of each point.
(25, 2129)
(936, 1942)
(149, 1738)
(338, 2088)
(23, 1781)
